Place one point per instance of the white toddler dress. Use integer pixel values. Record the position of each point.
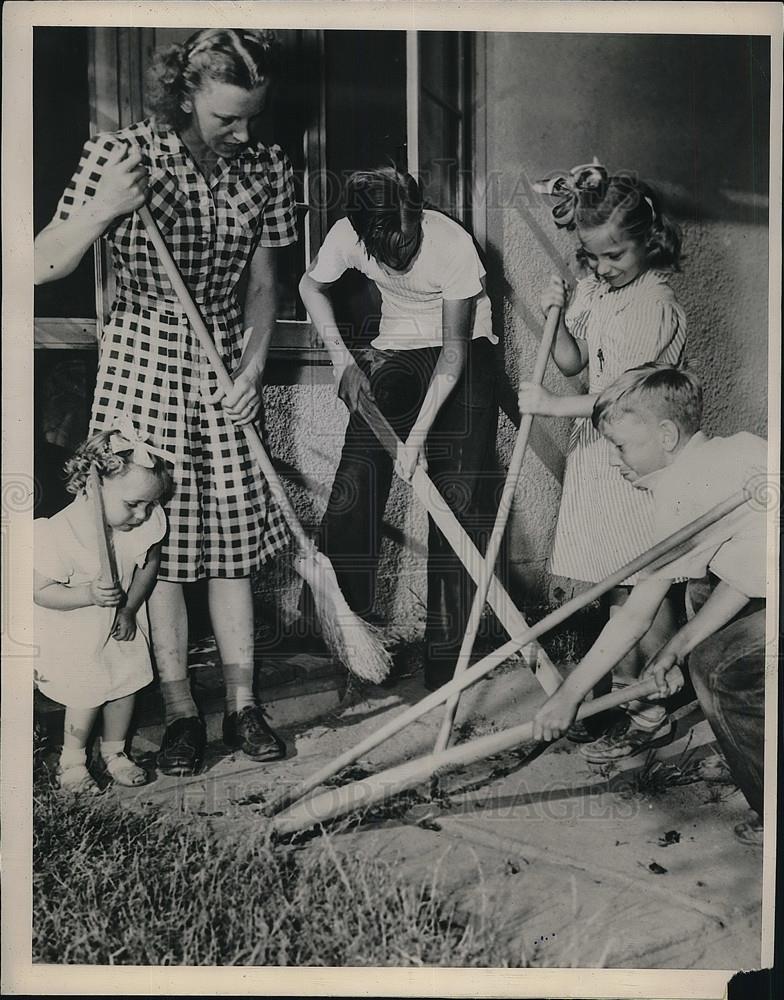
(78, 663)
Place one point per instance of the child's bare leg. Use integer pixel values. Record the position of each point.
(628, 670)
(664, 627)
(116, 722)
(662, 630)
(72, 773)
(77, 727)
(647, 720)
(117, 719)
(630, 667)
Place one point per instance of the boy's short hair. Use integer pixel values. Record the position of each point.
(662, 391)
(384, 207)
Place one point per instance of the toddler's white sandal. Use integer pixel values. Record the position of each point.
(76, 779)
(123, 771)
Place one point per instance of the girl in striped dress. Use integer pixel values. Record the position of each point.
(622, 314)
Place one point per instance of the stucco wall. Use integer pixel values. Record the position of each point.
(689, 115)
(305, 427)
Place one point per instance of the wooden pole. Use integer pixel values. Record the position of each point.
(376, 787)
(659, 555)
(207, 344)
(105, 554)
(469, 555)
(347, 635)
(497, 535)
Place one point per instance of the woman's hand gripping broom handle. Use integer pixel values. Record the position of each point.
(105, 554)
(496, 537)
(659, 555)
(224, 380)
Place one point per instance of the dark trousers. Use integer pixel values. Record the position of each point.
(460, 454)
(728, 674)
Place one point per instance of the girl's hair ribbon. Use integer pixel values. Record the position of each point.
(124, 437)
(566, 187)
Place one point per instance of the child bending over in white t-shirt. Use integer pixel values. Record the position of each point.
(432, 372)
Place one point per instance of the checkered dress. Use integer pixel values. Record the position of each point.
(222, 522)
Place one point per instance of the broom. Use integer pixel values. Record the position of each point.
(659, 555)
(348, 637)
(496, 537)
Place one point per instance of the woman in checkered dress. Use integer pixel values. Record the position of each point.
(224, 203)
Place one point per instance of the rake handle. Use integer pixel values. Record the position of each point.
(369, 791)
(660, 554)
(497, 535)
(470, 556)
(224, 379)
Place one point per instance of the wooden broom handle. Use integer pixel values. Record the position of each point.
(224, 379)
(660, 554)
(105, 555)
(469, 555)
(497, 535)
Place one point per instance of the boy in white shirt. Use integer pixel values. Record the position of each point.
(651, 415)
(431, 371)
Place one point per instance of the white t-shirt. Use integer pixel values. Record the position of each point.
(706, 472)
(446, 267)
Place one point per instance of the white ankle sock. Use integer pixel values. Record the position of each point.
(111, 749)
(73, 757)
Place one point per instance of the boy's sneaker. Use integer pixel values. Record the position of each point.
(750, 832)
(595, 726)
(626, 741)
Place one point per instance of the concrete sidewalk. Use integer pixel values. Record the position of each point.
(581, 867)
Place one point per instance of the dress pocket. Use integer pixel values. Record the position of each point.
(245, 201)
(167, 200)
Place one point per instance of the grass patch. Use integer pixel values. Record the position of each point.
(117, 886)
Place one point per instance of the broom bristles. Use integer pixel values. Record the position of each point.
(350, 639)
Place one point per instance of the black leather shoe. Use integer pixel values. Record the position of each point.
(182, 747)
(247, 730)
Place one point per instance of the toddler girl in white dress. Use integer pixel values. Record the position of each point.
(92, 633)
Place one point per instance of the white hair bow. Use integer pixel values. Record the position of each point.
(125, 437)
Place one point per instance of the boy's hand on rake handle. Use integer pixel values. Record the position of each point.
(352, 383)
(665, 670)
(555, 716)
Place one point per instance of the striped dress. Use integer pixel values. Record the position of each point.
(603, 521)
